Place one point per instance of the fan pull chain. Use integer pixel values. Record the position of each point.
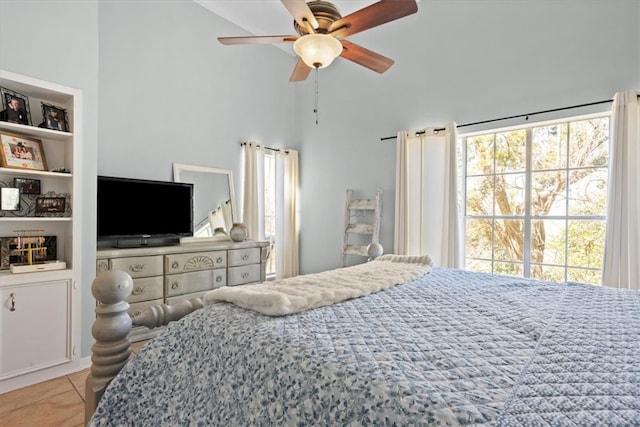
(315, 107)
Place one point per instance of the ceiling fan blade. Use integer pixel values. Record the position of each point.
(300, 12)
(365, 57)
(371, 16)
(300, 72)
(256, 39)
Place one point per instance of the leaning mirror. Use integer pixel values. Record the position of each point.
(213, 200)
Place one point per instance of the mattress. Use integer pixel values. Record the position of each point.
(450, 348)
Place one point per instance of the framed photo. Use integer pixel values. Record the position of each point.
(15, 107)
(54, 118)
(27, 186)
(50, 205)
(21, 152)
(9, 199)
(11, 253)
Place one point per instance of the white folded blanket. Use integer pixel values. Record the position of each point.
(304, 292)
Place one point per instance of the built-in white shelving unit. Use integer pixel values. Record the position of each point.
(40, 318)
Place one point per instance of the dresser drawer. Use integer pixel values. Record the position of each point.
(186, 283)
(146, 288)
(179, 263)
(244, 274)
(139, 266)
(138, 307)
(244, 256)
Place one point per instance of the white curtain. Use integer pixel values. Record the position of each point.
(621, 266)
(286, 201)
(286, 214)
(427, 214)
(253, 191)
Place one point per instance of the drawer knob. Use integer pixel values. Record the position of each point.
(175, 264)
(136, 268)
(245, 275)
(219, 260)
(137, 291)
(175, 285)
(245, 257)
(218, 279)
(13, 302)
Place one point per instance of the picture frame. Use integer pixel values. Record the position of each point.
(21, 152)
(9, 199)
(27, 185)
(10, 253)
(50, 205)
(15, 107)
(54, 118)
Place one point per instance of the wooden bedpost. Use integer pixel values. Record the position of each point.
(111, 328)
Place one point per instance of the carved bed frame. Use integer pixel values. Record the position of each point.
(112, 348)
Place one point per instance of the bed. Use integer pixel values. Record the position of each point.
(449, 347)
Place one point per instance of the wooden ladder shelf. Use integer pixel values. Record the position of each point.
(361, 224)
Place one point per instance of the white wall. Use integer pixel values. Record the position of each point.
(462, 61)
(58, 42)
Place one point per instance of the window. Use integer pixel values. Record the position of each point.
(270, 210)
(535, 200)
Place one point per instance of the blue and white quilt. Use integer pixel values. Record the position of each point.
(449, 348)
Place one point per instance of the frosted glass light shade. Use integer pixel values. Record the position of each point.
(317, 50)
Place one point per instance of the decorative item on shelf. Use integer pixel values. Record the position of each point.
(9, 253)
(238, 232)
(27, 186)
(31, 253)
(53, 204)
(15, 107)
(54, 118)
(9, 199)
(61, 170)
(21, 152)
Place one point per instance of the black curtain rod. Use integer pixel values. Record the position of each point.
(420, 132)
(242, 144)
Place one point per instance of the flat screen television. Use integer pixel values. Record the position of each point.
(138, 212)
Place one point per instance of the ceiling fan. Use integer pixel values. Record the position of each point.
(321, 30)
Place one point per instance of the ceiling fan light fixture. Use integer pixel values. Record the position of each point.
(317, 50)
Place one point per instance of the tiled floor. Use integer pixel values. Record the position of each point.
(57, 403)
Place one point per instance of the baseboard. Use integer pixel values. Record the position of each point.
(39, 376)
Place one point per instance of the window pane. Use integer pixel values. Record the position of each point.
(584, 276)
(509, 240)
(586, 243)
(548, 242)
(511, 151)
(546, 272)
(478, 265)
(548, 193)
(480, 155)
(478, 240)
(589, 143)
(510, 194)
(549, 147)
(511, 269)
(588, 191)
(480, 195)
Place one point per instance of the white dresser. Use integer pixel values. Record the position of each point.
(169, 274)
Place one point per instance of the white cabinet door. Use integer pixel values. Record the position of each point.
(35, 327)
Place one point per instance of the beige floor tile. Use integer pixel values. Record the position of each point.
(136, 346)
(78, 380)
(36, 393)
(61, 410)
